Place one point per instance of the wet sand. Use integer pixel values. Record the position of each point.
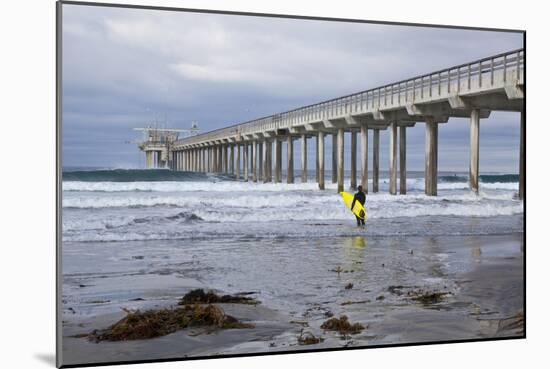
(301, 283)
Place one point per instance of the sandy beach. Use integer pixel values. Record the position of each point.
(480, 278)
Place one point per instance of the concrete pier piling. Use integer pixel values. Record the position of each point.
(321, 158)
(261, 158)
(393, 158)
(304, 158)
(431, 157)
(237, 161)
(254, 161)
(317, 158)
(364, 158)
(245, 161)
(340, 162)
(474, 150)
(225, 159)
(290, 160)
(267, 161)
(403, 160)
(495, 83)
(334, 169)
(353, 171)
(231, 159)
(375, 159)
(278, 160)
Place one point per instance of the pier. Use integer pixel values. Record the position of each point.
(470, 91)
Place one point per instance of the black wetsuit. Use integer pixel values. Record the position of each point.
(359, 196)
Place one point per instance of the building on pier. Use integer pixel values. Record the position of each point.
(157, 143)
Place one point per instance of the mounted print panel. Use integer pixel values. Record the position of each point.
(240, 184)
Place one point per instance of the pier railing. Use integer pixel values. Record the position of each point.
(478, 75)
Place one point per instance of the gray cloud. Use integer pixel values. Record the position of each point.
(123, 67)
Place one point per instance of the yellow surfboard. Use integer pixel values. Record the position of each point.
(358, 209)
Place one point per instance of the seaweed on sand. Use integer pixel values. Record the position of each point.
(155, 323)
(428, 298)
(198, 296)
(342, 325)
(308, 338)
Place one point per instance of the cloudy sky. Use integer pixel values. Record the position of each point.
(124, 68)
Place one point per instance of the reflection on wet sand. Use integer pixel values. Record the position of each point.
(400, 289)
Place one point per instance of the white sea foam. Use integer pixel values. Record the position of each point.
(225, 186)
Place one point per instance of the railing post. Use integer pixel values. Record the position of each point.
(505, 66)
(458, 80)
(479, 74)
(492, 70)
(469, 76)
(517, 65)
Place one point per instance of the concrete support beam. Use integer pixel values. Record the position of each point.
(353, 172)
(223, 166)
(220, 159)
(521, 193)
(375, 159)
(278, 160)
(214, 158)
(158, 161)
(474, 151)
(290, 160)
(261, 157)
(321, 159)
(317, 159)
(334, 158)
(431, 158)
(340, 163)
(231, 159)
(198, 159)
(304, 158)
(148, 160)
(364, 158)
(238, 161)
(265, 171)
(245, 161)
(393, 158)
(254, 161)
(270, 161)
(403, 160)
(226, 158)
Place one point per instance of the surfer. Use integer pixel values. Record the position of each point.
(359, 196)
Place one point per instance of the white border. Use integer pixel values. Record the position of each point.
(28, 180)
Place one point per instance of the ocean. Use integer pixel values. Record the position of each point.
(134, 205)
(139, 239)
